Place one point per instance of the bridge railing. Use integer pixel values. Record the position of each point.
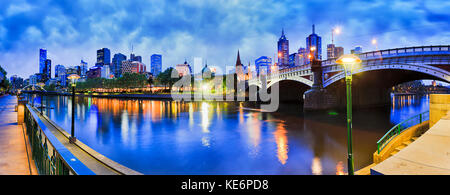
(399, 128)
(49, 154)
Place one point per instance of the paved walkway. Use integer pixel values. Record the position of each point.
(428, 155)
(13, 151)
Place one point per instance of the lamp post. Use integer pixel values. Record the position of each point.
(336, 30)
(73, 78)
(349, 61)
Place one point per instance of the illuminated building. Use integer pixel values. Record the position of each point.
(103, 57)
(116, 67)
(156, 64)
(314, 42)
(283, 51)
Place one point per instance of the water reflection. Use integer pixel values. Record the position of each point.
(282, 143)
(340, 168)
(406, 106)
(316, 166)
(165, 137)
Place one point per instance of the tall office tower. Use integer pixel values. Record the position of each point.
(338, 52)
(283, 51)
(334, 52)
(116, 68)
(83, 69)
(302, 56)
(314, 41)
(331, 48)
(47, 70)
(59, 70)
(60, 74)
(135, 58)
(156, 64)
(263, 65)
(103, 57)
(42, 58)
(293, 60)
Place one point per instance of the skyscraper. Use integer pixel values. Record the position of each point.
(156, 64)
(116, 67)
(135, 58)
(47, 73)
(302, 56)
(59, 70)
(314, 41)
(103, 57)
(283, 51)
(338, 52)
(331, 48)
(60, 74)
(334, 52)
(83, 68)
(42, 58)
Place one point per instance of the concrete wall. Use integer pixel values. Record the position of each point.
(397, 141)
(439, 107)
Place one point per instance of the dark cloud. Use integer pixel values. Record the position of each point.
(211, 29)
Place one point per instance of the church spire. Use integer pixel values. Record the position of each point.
(314, 29)
(238, 60)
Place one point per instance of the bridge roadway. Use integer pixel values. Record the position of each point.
(428, 155)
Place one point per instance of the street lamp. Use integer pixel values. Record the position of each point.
(73, 78)
(375, 42)
(337, 31)
(349, 61)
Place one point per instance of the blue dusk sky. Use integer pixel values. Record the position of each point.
(214, 30)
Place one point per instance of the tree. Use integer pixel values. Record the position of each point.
(168, 77)
(4, 84)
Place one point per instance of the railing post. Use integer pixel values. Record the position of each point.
(378, 148)
(421, 118)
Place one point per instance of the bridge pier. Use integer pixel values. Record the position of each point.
(318, 98)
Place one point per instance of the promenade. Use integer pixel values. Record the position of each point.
(13, 150)
(428, 155)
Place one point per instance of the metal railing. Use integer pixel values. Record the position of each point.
(51, 157)
(399, 128)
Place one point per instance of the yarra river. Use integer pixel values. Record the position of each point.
(165, 137)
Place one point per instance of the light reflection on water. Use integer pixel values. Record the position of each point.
(163, 137)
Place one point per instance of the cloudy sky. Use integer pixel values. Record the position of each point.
(214, 30)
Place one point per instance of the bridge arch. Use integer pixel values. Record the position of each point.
(291, 90)
(372, 87)
(294, 78)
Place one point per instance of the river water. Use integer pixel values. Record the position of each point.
(165, 137)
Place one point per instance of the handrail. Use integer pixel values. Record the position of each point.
(50, 155)
(399, 128)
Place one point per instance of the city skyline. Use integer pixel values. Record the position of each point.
(210, 30)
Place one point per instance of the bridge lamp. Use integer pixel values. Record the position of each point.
(349, 61)
(73, 78)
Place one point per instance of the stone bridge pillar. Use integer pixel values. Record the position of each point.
(318, 98)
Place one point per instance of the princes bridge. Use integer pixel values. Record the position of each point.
(377, 74)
